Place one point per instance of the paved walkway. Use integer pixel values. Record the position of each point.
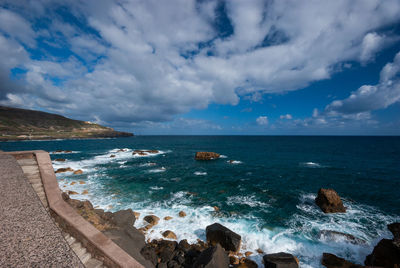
(28, 235)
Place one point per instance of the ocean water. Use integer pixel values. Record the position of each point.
(266, 193)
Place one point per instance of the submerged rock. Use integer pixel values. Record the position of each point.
(85, 192)
(332, 261)
(229, 240)
(280, 260)
(60, 160)
(60, 170)
(206, 156)
(329, 201)
(78, 172)
(112, 156)
(332, 235)
(182, 214)
(212, 257)
(167, 218)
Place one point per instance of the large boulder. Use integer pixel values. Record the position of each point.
(329, 201)
(280, 260)
(386, 254)
(333, 261)
(151, 219)
(206, 156)
(124, 217)
(229, 240)
(212, 257)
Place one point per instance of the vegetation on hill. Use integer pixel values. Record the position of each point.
(21, 124)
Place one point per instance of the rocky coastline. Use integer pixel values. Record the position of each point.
(222, 246)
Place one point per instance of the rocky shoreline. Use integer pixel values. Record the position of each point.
(222, 246)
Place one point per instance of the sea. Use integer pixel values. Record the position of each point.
(263, 187)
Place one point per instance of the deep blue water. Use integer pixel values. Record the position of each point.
(266, 195)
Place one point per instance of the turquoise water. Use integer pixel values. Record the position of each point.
(266, 194)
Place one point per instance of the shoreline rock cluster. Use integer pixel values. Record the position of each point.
(222, 246)
(219, 251)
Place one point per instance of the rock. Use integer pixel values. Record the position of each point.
(233, 260)
(260, 251)
(123, 218)
(216, 208)
(78, 172)
(182, 214)
(395, 229)
(65, 196)
(85, 192)
(112, 156)
(152, 219)
(149, 253)
(162, 265)
(73, 183)
(82, 182)
(152, 151)
(229, 240)
(248, 253)
(206, 156)
(169, 234)
(332, 261)
(247, 263)
(212, 257)
(184, 245)
(385, 254)
(333, 235)
(280, 260)
(137, 214)
(60, 160)
(329, 201)
(71, 192)
(167, 218)
(60, 170)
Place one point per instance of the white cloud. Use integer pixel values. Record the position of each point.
(286, 116)
(262, 120)
(153, 60)
(371, 97)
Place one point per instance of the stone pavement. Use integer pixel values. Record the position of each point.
(28, 235)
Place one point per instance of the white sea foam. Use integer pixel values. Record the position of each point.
(65, 152)
(117, 155)
(234, 162)
(311, 165)
(157, 170)
(200, 173)
(156, 188)
(148, 164)
(250, 201)
(223, 156)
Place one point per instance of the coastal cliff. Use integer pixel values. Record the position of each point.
(21, 124)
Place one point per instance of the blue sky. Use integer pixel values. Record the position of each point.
(207, 67)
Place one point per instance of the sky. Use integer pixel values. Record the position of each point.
(284, 67)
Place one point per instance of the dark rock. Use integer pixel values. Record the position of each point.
(65, 196)
(184, 245)
(246, 263)
(280, 260)
(124, 217)
(206, 156)
(385, 254)
(332, 235)
(153, 220)
(162, 265)
(149, 253)
(179, 256)
(213, 257)
(329, 201)
(60, 160)
(332, 261)
(229, 240)
(395, 229)
(173, 264)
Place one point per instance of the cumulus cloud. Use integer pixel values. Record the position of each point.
(262, 120)
(139, 61)
(371, 97)
(286, 116)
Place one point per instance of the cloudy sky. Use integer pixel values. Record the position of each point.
(207, 67)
